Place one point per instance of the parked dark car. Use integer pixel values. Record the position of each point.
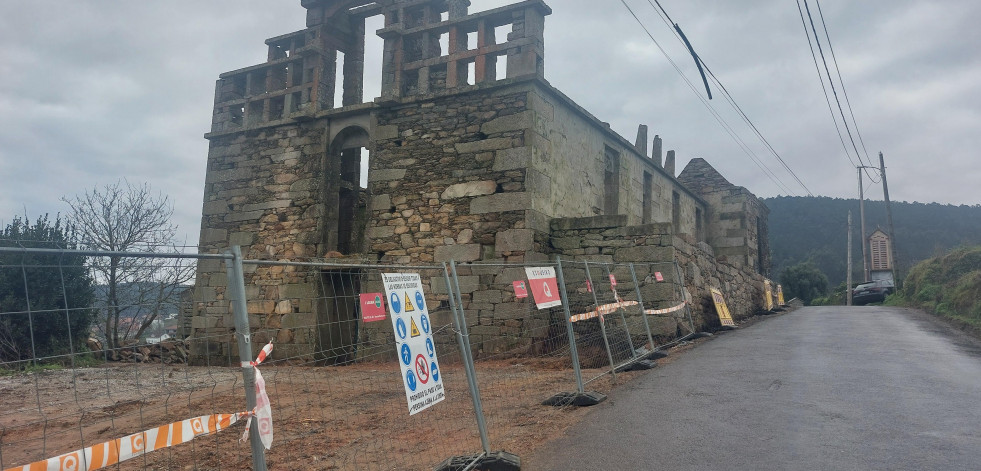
(871, 292)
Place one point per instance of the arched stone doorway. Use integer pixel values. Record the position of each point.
(346, 199)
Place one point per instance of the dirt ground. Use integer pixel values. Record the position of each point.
(350, 417)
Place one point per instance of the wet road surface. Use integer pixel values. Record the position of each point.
(860, 388)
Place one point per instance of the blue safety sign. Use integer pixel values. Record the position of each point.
(400, 329)
(396, 303)
(406, 354)
(415, 346)
(410, 380)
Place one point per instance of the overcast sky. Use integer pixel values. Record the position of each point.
(92, 91)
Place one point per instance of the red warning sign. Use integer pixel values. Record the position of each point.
(520, 289)
(422, 369)
(544, 287)
(658, 276)
(372, 307)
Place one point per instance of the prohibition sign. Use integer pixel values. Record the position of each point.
(422, 369)
(425, 323)
(396, 304)
(400, 328)
(406, 354)
(420, 300)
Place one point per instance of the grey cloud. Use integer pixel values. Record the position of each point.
(92, 90)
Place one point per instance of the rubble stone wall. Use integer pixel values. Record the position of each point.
(608, 239)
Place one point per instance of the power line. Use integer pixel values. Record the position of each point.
(827, 99)
(729, 98)
(834, 90)
(844, 91)
(722, 122)
(834, 59)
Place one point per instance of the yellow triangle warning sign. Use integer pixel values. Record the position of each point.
(408, 305)
(415, 330)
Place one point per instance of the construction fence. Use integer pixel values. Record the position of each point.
(452, 366)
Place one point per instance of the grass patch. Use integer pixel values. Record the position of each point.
(949, 286)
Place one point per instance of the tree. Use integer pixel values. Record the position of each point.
(45, 300)
(804, 281)
(121, 217)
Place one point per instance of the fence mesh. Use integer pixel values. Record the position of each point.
(74, 375)
(667, 294)
(342, 405)
(84, 365)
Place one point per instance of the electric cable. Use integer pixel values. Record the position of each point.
(766, 171)
(728, 96)
(823, 88)
(834, 90)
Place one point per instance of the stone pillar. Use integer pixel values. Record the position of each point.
(354, 65)
(530, 59)
(392, 67)
(641, 143)
(669, 163)
(656, 152)
(458, 8)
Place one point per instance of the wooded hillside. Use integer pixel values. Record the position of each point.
(815, 228)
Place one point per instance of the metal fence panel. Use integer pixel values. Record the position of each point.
(341, 404)
(69, 392)
(669, 295)
(334, 378)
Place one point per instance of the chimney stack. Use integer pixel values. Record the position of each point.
(641, 143)
(657, 151)
(669, 163)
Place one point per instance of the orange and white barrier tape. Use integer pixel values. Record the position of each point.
(263, 410)
(135, 445)
(654, 312)
(601, 311)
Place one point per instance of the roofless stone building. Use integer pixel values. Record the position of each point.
(472, 155)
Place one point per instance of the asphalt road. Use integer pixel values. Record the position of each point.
(822, 388)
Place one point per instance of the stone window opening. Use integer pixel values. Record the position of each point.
(254, 112)
(501, 33)
(444, 44)
(373, 62)
(346, 198)
(339, 84)
(501, 68)
(676, 211)
(699, 226)
(237, 114)
(471, 73)
(611, 181)
(471, 40)
(648, 201)
(277, 105)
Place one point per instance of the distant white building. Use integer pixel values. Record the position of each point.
(880, 252)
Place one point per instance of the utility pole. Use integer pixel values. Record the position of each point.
(861, 208)
(848, 264)
(892, 230)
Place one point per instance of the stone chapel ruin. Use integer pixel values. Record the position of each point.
(472, 156)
